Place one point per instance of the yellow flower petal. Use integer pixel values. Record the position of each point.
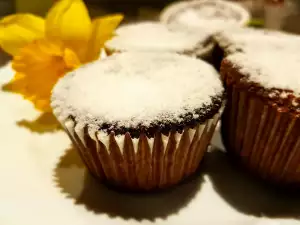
(102, 30)
(68, 20)
(39, 66)
(18, 30)
(70, 58)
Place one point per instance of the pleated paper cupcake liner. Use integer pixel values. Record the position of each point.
(142, 163)
(262, 138)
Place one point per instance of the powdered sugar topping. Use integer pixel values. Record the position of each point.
(270, 69)
(152, 36)
(136, 88)
(250, 39)
(210, 15)
(194, 18)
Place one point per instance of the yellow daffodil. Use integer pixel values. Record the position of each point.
(44, 50)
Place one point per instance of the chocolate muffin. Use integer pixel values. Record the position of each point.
(156, 37)
(261, 124)
(140, 120)
(206, 16)
(251, 40)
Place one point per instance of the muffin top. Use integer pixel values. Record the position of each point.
(152, 36)
(273, 75)
(139, 91)
(251, 39)
(211, 14)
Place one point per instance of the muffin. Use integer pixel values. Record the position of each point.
(206, 17)
(250, 40)
(261, 124)
(140, 120)
(156, 37)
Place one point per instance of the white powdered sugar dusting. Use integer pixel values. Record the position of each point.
(152, 36)
(250, 40)
(194, 18)
(210, 15)
(131, 89)
(270, 58)
(270, 69)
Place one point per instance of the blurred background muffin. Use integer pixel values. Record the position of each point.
(205, 18)
(159, 38)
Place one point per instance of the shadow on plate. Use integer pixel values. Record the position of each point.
(246, 193)
(46, 122)
(77, 183)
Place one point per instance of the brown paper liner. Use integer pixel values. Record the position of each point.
(143, 163)
(261, 137)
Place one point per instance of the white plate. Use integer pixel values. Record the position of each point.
(43, 182)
